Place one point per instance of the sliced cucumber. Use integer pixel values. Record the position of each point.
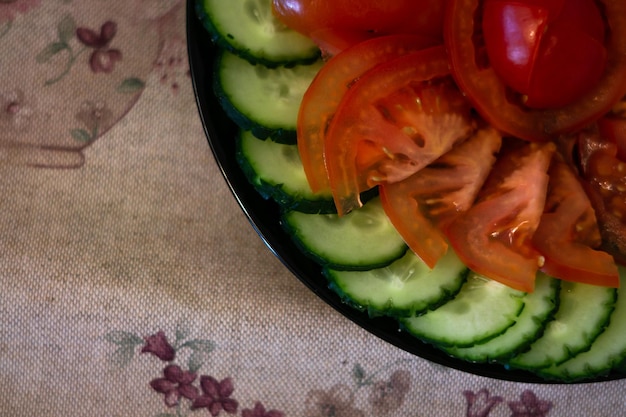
(539, 307)
(260, 99)
(606, 352)
(583, 313)
(406, 287)
(482, 310)
(249, 29)
(363, 239)
(275, 170)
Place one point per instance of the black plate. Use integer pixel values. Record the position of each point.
(264, 216)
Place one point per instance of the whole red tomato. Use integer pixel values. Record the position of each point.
(551, 51)
(538, 68)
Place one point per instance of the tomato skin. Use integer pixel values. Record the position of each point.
(493, 99)
(568, 236)
(422, 205)
(512, 56)
(494, 237)
(604, 179)
(393, 122)
(613, 129)
(529, 43)
(322, 98)
(327, 22)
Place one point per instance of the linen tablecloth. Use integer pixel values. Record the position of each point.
(131, 284)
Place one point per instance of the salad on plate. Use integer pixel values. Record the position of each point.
(458, 165)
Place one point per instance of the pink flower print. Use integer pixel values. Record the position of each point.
(216, 396)
(11, 8)
(259, 411)
(15, 112)
(175, 384)
(529, 406)
(337, 402)
(103, 58)
(158, 345)
(480, 404)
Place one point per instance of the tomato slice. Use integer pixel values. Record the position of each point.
(613, 129)
(568, 233)
(396, 119)
(422, 205)
(604, 179)
(342, 22)
(322, 98)
(494, 237)
(504, 109)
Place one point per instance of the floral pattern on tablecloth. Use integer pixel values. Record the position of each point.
(91, 65)
(187, 387)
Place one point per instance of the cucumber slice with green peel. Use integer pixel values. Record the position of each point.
(539, 307)
(406, 287)
(262, 100)
(469, 318)
(276, 172)
(249, 29)
(583, 313)
(607, 352)
(362, 239)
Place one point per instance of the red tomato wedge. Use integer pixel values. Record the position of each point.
(422, 205)
(613, 129)
(505, 109)
(604, 179)
(494, 237)
(338, 24)
(322, 98)
(396, 119)
(568, 233)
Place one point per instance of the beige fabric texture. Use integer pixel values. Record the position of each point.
(132, 231)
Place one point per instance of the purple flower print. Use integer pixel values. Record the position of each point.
(480, 404)
(158, 345)
(216, 396)
(103, 58)
(337, 402)
(529, 406)
(259, 411)
(11, 8)
(175, 384)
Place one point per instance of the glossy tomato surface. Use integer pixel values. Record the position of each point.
(568, 236)
(551, 52)
(494, 237)
(344, 22)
